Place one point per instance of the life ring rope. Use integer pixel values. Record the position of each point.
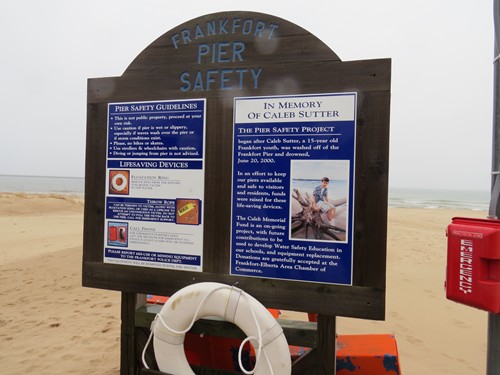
(259, 349)
(180, 337)
(259, 341)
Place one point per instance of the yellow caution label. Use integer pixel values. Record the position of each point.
(185, 209)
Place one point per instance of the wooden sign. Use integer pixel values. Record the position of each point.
(206, 161)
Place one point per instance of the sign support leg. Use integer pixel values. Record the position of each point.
(327, 341)
(127, 337)
(493, 350)
(493, 366)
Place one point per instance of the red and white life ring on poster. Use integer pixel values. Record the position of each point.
(119, 182)
(229, 303)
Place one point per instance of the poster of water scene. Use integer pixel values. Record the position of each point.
(324, 185)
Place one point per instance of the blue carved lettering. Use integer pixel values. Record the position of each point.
(222, 26)
(186, 36)
(256, 74)
(211, 28)
(203, 49)
(210, 78)
(185, 80)
(220, 79)
(236, 24)
(238, 48)
(198, 32)
(198, 82)
(247, 26)
(222, 52)
(259, 27)
(224, 79)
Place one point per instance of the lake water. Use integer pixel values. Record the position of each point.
(433, 199)
(398, 197)
(42, 185)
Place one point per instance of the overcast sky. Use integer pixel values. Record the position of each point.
(442, 74)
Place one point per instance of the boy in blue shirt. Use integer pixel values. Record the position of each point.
(320, 201)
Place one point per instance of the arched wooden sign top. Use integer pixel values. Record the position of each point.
(204, 157)
(232, 48)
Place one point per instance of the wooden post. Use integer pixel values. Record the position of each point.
(127, 352)
(327, 341)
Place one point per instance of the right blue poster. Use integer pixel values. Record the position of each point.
(293, 187)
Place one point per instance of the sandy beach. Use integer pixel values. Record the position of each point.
(50, 324)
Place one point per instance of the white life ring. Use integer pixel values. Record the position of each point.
(119, 186)
(230, 303)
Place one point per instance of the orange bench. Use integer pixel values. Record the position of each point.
(374, 354)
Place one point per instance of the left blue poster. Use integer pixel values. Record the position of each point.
(155, 174)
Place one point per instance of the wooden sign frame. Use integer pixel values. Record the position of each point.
(292, 62)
